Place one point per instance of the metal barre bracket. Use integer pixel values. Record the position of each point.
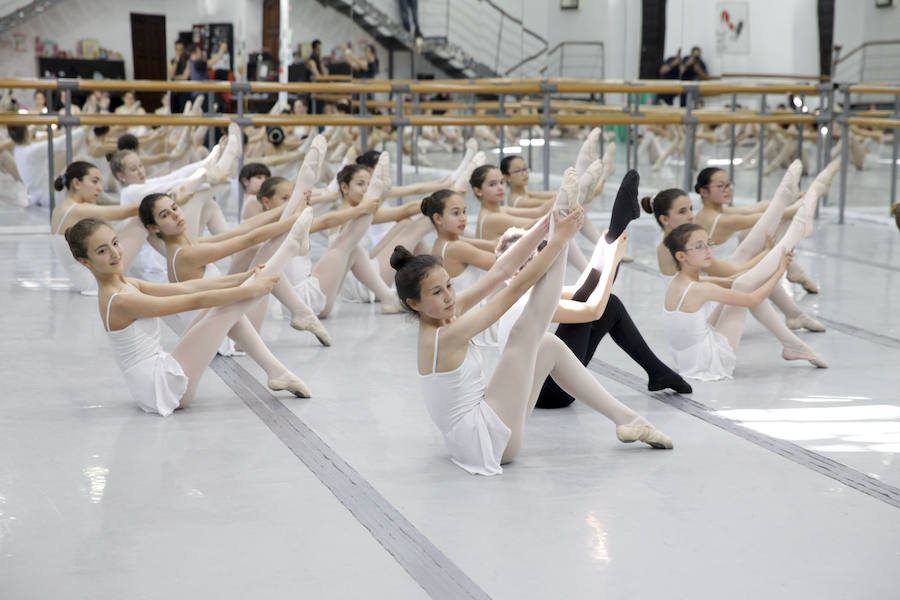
(548, 88)
(242, 121)
(400, 122)
(400, 88)
(68, 121)
(68, 84)
(240, 86)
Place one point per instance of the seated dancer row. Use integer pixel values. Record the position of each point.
(482, 424)
(158, 381)
(704, 339)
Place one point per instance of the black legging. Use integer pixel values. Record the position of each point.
(583, 338)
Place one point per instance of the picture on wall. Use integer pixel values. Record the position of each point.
(732, 31)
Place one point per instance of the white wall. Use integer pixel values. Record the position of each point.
(857, 22)
(783, 36)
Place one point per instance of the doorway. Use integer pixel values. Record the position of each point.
(271, 26)
(148, 52)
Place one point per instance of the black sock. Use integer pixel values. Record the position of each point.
(625, 208)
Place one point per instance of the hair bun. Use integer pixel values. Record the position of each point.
(58, 183)
(647, 204)
(400, 257)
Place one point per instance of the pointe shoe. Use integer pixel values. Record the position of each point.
(804, 321)
(291, 383)
(314, 326)
(642, 431)
(315, 156)
(609, 159)
(823, 180)
(567, 196)
(588, 152)
(226, 166)
(300, 230)
(588, 180)
(190, 185)
(471, 146)
(804, 354)
(196, 107)
(350, 155)
(803, 279)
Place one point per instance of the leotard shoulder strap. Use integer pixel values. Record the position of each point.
(64, 217)
(437, 332)
(684, 295)
(108, 306)
(174, 271)
(712, 230)
(444, 250)
(478, 229)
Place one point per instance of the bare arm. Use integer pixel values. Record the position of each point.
(487, 245)
(195, 285)
(468, 254)
(386, 214)
(344, 215)
(569, 311)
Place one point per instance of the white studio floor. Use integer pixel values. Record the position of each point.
(784, 482)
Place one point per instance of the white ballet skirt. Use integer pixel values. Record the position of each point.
(698, 350)
(81, 277)
(155, 379)
(473, 433)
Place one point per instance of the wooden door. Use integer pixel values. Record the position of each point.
(271, 20)
(148, 52)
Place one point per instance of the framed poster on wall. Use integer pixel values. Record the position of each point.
(732, 28)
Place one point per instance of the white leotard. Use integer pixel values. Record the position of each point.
(726, 248)
(487, 337)
(699, 351)
(81, 277)
(155, 379)
(473, 433)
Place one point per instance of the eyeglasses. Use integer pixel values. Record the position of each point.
(518, 171)
(722, 186)
(701, 246)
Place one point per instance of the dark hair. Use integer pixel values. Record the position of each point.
(275, 135)
(411, 270)
(676, 240)
(191, 48)
(101, 130)
(267, 189)
(479, 175)
(507, 160)
(128, 141)
(77, 235)
(17, 133)
(661, 204)
(315, 43)
(346, 174)
(146, 210)
(117, 160)
(251, 170)
(368, 159)
(76, 170)
(704, 177)
(434, 204)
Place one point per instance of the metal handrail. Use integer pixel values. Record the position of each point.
(862, 46)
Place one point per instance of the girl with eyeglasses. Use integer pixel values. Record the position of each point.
(704, 340)
(723, 221)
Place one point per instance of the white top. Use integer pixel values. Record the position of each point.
(155, 379)
(473, 433)
(81, 277)
(699, 351)
(726, 248)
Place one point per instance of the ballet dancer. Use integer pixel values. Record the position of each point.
(158, 381)
(483, 423)
(722, 221)
(704, 344)
(672, 207)
(591, 312)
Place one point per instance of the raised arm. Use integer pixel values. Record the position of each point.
(344, 215)
(570, 311)
(386, 214)
(505, 266)
(130, 307)
(479, 319)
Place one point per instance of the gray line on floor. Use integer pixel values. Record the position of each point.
(427, 565)
(847, 328)
(806, 458)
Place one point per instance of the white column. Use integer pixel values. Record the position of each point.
(285, 54)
